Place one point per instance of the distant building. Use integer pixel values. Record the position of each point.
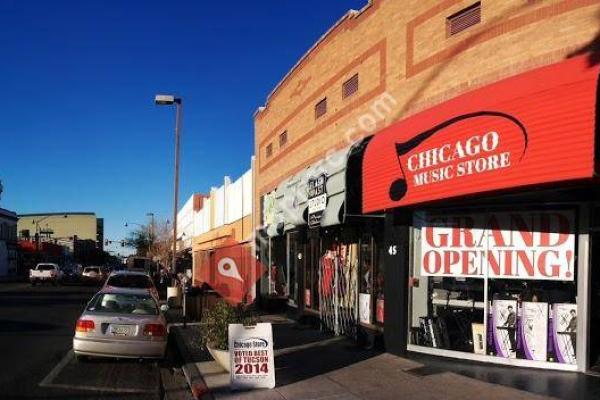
(186, 216)
(8, 242)
(62, 228)
(224, 218)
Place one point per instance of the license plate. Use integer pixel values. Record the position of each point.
(120, 330)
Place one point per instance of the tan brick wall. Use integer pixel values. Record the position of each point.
(82, 225)
(239, 230)
(401, 48)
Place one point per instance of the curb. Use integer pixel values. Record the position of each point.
(198, 387)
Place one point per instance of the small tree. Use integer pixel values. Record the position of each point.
(152, 241)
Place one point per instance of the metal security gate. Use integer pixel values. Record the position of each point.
(338, 290)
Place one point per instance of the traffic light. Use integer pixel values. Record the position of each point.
(106, 242)
(122, 243)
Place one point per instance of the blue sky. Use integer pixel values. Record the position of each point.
(78, 127)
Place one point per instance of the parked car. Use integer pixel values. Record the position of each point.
(93, 275)
(122, 323)
(131, 280)
(71, 275)
(45, 272)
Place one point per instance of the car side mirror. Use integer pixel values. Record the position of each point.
(164, 307)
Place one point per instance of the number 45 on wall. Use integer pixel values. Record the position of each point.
(393, 250)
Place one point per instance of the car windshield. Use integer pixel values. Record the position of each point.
(130, 281)
(45, 267)
(96, 270)
(123, 303)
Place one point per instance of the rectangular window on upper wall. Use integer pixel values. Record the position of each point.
(350, 87)
(269, 150)
(463, 19)
(283, 138)
(321, 108)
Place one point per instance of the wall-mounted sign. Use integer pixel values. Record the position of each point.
(513, 133)
(268, 208)
(251, 356)
(380, 312)
(533, 330)
(504, 328)
(364, 308)
(317, 199)
(564, 332)
(508, 245)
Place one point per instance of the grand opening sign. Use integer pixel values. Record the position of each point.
(511, 245)
(534, 128)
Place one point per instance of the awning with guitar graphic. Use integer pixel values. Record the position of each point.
(534, 128)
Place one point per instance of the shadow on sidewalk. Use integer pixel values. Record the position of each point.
(559, 384)
(310, 362)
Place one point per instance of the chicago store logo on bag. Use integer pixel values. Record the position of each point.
(467, 148)
(232, 271)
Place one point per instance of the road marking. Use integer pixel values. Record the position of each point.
(56, 370)
(13, 287)
(47, 381)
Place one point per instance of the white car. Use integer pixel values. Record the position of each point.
(45, 272)
(131, 280)
(93, 275)
(121, 323)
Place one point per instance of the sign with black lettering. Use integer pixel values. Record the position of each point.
(251, 355)
(317, 199)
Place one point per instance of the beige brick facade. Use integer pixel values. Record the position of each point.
(401, 51)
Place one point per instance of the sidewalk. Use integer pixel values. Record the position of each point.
(314, 365)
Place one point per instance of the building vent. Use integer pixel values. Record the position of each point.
(463, 19)
(269, 150)
(350, 87)
(283, 138)
(321, 108)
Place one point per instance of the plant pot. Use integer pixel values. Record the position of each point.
(221, 357)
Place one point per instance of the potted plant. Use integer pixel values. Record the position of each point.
(215, 329)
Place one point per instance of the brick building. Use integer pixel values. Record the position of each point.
(397, 66)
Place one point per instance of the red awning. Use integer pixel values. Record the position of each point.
(534, 128)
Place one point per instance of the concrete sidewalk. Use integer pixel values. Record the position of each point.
(382, 377)
(311, 364)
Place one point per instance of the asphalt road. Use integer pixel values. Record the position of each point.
(36, 359)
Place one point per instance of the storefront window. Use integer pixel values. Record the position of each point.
(371, 283)
(338, 284)
(294, 257)
(278, 268)
(311, 275)
(496, 283)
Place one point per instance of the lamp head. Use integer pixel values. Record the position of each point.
(166, 99)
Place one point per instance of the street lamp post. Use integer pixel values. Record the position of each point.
(162, 99)
(37, 228)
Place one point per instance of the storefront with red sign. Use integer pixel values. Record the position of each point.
(324, 255)
(491, 206)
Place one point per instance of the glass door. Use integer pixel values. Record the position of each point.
(594, 346)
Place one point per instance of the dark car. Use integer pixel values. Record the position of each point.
(71, 275)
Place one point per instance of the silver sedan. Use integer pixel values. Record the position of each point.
(121, 323)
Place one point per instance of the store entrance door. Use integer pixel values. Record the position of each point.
(594, 308)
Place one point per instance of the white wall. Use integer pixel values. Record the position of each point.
(247, 192)
(185, 223)
(219, 207)
(234, 201)
(229, 203)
